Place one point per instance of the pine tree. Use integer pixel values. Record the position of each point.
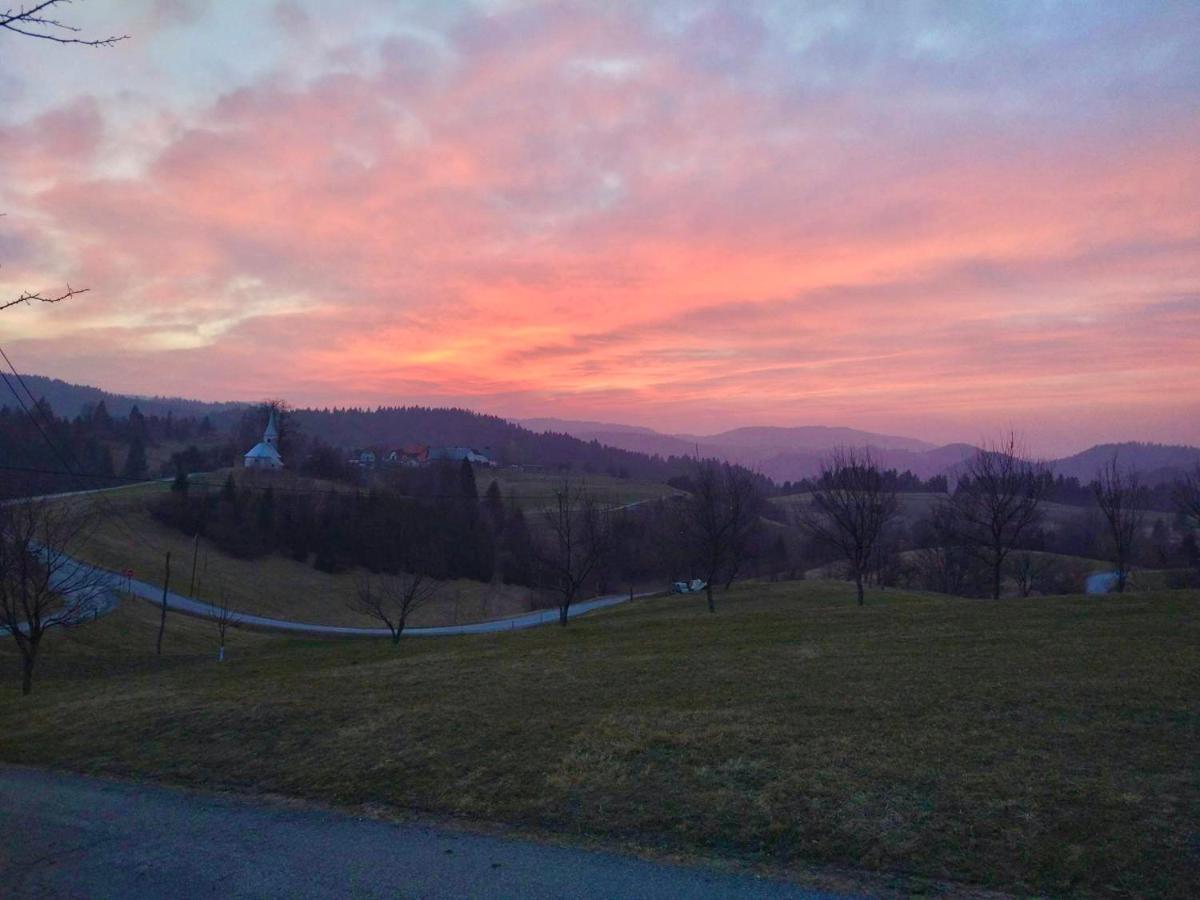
(466, 481)
(135, 461)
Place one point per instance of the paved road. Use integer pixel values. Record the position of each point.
(183, 603)
(72, 836)
(516, 623)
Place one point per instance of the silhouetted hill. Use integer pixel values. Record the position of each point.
(810, 437)
(780, 453)
(1156, 463)
(69, 400)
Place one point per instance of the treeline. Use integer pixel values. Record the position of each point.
(432, 521)
(1067, 490)
(898, 482)
(991, 533)
(43, 453)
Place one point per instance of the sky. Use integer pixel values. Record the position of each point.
(945, 220)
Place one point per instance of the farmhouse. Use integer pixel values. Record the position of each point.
(409, 455)
(265, 454)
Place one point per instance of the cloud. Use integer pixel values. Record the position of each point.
(686, 218)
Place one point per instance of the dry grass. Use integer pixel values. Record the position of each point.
(1032, 745)
(534, 490)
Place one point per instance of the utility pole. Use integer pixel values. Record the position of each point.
(195, 552)
(162, 624)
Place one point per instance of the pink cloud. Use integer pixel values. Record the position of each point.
(564, 213)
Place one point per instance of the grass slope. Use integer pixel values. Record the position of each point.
(1044, 745)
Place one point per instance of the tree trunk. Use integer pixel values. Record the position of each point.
(27, 674)
(708, 590)
(858, 583)
(162, 622)
(996, 581)
(563, 608)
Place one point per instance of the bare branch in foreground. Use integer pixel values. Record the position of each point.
(37, 21)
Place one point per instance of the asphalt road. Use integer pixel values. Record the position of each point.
(73, 836)
(183, 603)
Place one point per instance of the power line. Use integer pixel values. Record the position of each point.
(119, 517)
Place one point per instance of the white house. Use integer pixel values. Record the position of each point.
(265, 455)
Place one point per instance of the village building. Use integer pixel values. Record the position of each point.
(265, 454)
(409, 455)
(458, 454)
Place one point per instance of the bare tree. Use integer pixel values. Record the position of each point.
(1032, 570)
(720, 519)
(850, 507)
(1187, 495)
(393, 598)
(577, 538)
(1117, 492)
(996, 502)
(39, 20)
(41, 584)
(224, 618)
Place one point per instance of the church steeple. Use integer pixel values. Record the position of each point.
(271, 435)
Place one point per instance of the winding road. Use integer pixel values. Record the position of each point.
(194, 607)
(191, 606)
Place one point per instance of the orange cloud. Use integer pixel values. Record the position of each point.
(570, 213)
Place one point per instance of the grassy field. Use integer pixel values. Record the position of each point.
(127, 536)
(1044, 746)
(534, 490)
(916, 506)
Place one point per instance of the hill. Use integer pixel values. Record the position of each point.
(779, 453)
(1043, 747)
(69, 400)
(1157, 463)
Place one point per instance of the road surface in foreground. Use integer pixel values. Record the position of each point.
(75, 836)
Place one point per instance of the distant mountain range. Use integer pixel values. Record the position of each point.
(780, 453)
(789, 454)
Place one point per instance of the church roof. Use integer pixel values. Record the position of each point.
(272, 429)
(263, 451)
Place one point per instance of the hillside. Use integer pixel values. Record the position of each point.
(385, 428)
(69, 400)
(1044, 747)
(1156, 462)
(779, 453)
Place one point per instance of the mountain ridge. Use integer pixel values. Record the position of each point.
(782, 453)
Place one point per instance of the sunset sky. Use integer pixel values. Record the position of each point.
(940, 220)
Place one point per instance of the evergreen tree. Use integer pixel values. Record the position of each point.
(493, 502)
(135, 460)
(137, 424)
(466, 482)
(266, 514)
(101, 420)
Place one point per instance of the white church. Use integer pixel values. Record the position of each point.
(265, 454)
